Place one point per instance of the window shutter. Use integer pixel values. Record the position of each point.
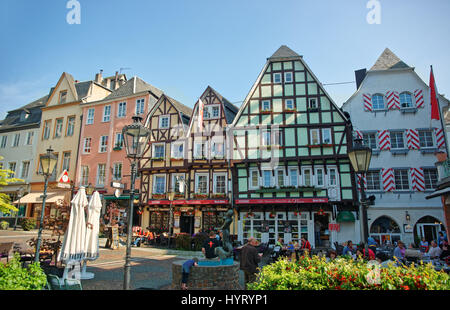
(364, 178)
(440, 140)
(367, 102)
(393, 100)
(387, 176)
(384, 140)
(357, 134)
(417, 179)
(418, 95)
(412, 137)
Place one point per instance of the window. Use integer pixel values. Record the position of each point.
(25, 169)
(47, 128)
(406, 100)
(378, 102)
(254, 179)
(220, 183)
(16, 140)
(280, 177)
(401, 179)
(332, 176)
(277, 77)
(103, 144)
(119, 140)
(122, 109)
(117, 171)
(30, 136)
(289, 104)
(267, 178)
(206, 114)
(217, 150)
(266, 105)
(70, 125)
(63, 97)
(293, 177)
(177, 150)
(314, 136)
(159, 150)
(201, 183)
(307, 177)
(266, 138)
(278, 137)
(90, 117)
(58, 127)
(373, 180)
(101, 174)
(370, 140)
(397, 140)
(178, 183)
(320, 178)
(288, 77)
(140, 106)
(431, 178)
(4, 141)
(326, 136)
(159, 186)
(164, 121)
(85, 175)
(12, 167)
(313, 103)
(426, 138)
(215, 111)
(66, 161)
(107, 113)
(200, 150)
(87, 145)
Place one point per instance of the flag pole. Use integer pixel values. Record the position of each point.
(440, 113)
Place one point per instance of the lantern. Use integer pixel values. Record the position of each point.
(135, 137)
(48, 162)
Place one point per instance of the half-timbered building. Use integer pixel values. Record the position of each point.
(164, 167)
(292, 175)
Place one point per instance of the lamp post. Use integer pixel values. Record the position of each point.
(171, 196)
(135, 138)
(19, 195)
(48, 163)
(360, 159)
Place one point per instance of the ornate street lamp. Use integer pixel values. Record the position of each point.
(20, 193)
(89, 189)
(171, 196)
(48, 164)
(135, 138)
(360, 159)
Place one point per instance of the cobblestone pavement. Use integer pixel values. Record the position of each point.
(151, 268)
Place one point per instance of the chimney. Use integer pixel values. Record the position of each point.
(359, 76)
(98, 77)
(116, 81)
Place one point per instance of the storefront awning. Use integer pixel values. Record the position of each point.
(345, 216)
(438, 193)
(281, 200)
(189, 202)
(120, 198)
(52, 197)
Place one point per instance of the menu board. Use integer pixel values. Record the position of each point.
(113, 237)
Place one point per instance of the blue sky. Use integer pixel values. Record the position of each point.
(182, 46)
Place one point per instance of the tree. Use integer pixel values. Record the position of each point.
(6, 178)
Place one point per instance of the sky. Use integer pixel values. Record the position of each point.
(182, 46)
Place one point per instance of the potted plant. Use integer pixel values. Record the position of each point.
(158, 158)
(200, 195)
(158, 196)
(117, 147)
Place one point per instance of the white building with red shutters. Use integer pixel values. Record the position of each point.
(391, 112)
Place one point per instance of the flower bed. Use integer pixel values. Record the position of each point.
(346, 274)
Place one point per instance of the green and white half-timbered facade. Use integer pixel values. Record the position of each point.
(292, 176)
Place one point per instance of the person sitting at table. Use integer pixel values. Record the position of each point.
(331, 255)
(348, 248)
(399, 253)
(361, 252)
(434, 250)
(445, 252)
(424, 245)
(441, 239)
(305, 244)
(372, 244)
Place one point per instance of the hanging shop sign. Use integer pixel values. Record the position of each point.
(189, 202)
(334, 227)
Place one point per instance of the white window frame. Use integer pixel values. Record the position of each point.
(122, 109)
(47, 130)
(174, 150)
(98, 176)
(84, 177)
(250, 181)
(275, 79)
(303, 178)
(315, 106)
(70, 126)
(432, 138)
(212, 109)
(115, 165)
(117, 139)
(106, 113)
(263, 171)
(317, 131)
(102, 146)
(197, 176)
(264, 140)
(16, 140)
(140, 106)
(161, 119)
(4, 141)
(286, 107)
(285, 77)
(22, 176)
(328, 131)
(404, 140)
(316, 177)
(263, 102)
(15, 168)
(64, 160)
(224, 174)
(216, 142)
(277, 171)
(30, 136)
(89, 117)
(204, 149)
(154, 145)
(290, 177)
(329, 169)
(174, 181)
(85, 149)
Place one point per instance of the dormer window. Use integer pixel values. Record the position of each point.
(164, 121)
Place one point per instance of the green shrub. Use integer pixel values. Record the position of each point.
(183, 242)
(4, 225)
(199, 239)
(347, 274)
(14, 277)
(28, 224)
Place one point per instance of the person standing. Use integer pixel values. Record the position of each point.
(250, 259)
(210, 245)
(317, 229)
(424, 245)
(185, 271)
(441, 239)
(372, 244)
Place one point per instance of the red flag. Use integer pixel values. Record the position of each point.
(433, 95)
(201, 106)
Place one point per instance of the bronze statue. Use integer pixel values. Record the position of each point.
(226, 250)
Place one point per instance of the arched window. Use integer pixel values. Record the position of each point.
(378, 102)
(385, 230)
(406, 100)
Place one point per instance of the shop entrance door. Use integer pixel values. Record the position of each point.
(187, 224)
(322, 236)
(429, 231)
